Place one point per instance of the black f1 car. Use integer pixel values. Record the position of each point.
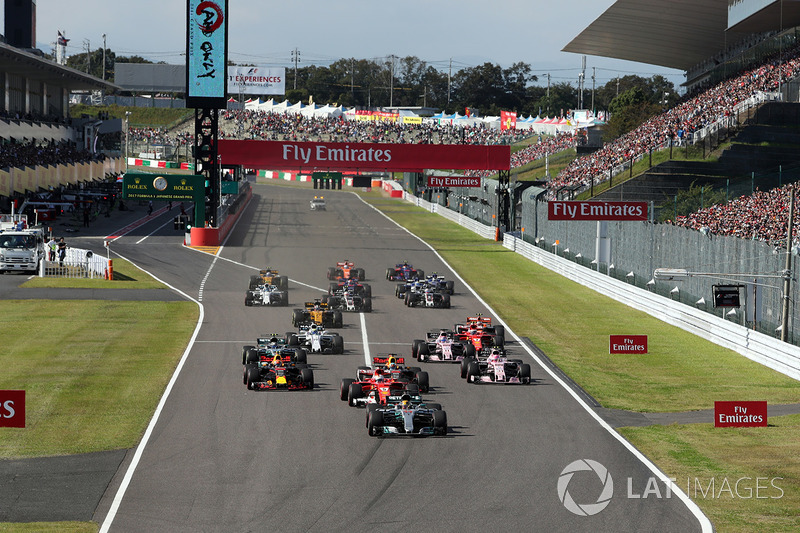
(427, 298)
(404, 272)
(278, 375)
(348, 301)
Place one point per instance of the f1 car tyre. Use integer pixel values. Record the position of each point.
(354, 392)
(469, 350)
(423, 381)
(332, 287)
(408, 301)
(246, 369)
(423, 350)
(255, 281)
(300, 355)
(283, 282)
(248, 302)
(500, 330)
(466, 361)
(367, 307)
(412, 388)
(338, 344)
(331, 273)
(525, 373)
(473, 371)
(344, 388)
(400, 290)
(434, 406)
(253, 375)
(415, 347)
(298, 317)
(440, 422)
(498, 341)
(337, 318)
(389, 273)
(446, 301)
(450, 286)
(252, 356)
(374, 421)
(360, 274)
(367, 290)
(308, 377)
(246, 348)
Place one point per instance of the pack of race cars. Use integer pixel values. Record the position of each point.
(390, 391)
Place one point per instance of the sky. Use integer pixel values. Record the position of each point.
(467, 32)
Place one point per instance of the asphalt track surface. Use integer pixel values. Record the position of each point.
(222, 458)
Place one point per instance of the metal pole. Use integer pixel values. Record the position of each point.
(787, 274)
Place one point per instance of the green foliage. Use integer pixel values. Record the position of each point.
(628, 110)
(691, 200)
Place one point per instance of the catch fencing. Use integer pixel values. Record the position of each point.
(638, 248)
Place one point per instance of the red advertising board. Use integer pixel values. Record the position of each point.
(635, 344)
(453, 181)
(611, 211)
(740, 414)
(12, 408)
(362, 156)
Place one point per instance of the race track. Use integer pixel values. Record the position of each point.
(222, 458)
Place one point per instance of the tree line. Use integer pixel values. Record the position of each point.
(485, 89)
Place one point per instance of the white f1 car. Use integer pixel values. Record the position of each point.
(316, 340)
(266, 295)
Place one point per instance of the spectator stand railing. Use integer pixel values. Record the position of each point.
(78, 263)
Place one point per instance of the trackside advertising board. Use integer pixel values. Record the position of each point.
(740, 414)
(257, 80)
(206, 53)
(453, 181)
(610, 211)
(633, 344)
(363, 156)
(12, 408)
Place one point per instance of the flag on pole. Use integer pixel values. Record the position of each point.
(61, 39)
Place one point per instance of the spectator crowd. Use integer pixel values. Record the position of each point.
(32, 153)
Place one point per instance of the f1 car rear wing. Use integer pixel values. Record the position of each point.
(311, 305)
(381, 360)
(481, 320)
(266, 271)
(348, 264)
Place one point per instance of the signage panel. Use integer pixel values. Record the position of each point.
(206, 53)
(610, 211)
(257, 80)
(12, 408)
(363, 156)
(453, 181)
(740, 414)
(145, 186)
(635, 344)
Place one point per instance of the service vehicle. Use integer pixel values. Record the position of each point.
(22, 248)
(318, 203)
(266, 295)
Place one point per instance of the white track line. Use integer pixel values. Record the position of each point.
(705, 523)
(365, 340)
(126, 480)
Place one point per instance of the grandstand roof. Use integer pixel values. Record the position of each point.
(16, 61)
(677, 34)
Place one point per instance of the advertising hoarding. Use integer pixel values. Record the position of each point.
(257, 80)
(206, 53)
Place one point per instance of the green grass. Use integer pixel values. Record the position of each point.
(126, 276)
(682, 372)
(697, 455)
(156, 117)
(54, 527)
(93, 371)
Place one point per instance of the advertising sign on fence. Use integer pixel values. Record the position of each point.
(453, 181)
(256, 80)
(610, 211)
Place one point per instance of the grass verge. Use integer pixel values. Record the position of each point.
(126, 276)
(682, 372)
(93, 373)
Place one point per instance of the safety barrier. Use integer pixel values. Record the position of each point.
(768, 351)
(78, 263)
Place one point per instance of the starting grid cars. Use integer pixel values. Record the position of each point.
(390, 391)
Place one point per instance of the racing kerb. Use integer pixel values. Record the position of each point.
(764, 349)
